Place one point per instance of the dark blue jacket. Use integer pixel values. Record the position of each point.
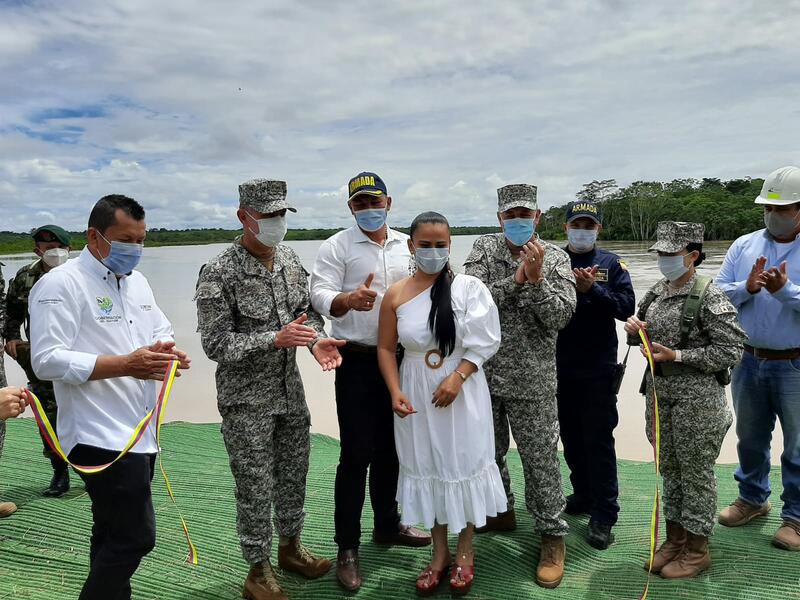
(587, 346)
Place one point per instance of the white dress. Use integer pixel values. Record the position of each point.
(447, 470)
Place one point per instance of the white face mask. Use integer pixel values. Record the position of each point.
(778, 225)
(271, 231)
(581, 240)
(55, 257)
(672, 267)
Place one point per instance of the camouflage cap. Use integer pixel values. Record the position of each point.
(516, 195)
(264, 195)
(674, 236)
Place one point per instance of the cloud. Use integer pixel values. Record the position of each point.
(176, 103)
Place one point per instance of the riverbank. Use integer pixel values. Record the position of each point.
(44, 546)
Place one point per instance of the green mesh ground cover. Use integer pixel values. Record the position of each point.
(44, 546)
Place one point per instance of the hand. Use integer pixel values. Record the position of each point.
(169, 347)
(447, 391)
(12, 403)
(11, 348)
(757, 279)
(660, 353)
(633, 325)
(584, 278)
(145, 363)
(532, 255)
(362, 298)
(776, 278)
(295, 334)
(401, 405)
(326, 351)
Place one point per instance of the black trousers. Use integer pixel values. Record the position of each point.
(366, 430)
(587, 415)
(124, 528)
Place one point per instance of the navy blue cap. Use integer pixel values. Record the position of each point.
(366, 183)
(583, 208)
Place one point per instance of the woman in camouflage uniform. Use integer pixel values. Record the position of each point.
(692, 369)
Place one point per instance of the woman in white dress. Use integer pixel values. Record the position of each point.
(448, 326)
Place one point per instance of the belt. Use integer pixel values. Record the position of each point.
(360, 348)
(768, 354)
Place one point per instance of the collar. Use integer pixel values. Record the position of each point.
(37, 266)
(392, 236)
(668, 291)
(251, 265)
(588, 254)
(94, 266)
(768, 236)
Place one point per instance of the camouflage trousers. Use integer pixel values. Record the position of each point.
(44, 391)
(693, 425)
(269, 461)
(3, 384)
(534, 423)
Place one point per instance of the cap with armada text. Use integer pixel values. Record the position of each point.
(264, 195)
(366, 183)
(582, 208)
(516, 195)
(51, 233)
(674, 236)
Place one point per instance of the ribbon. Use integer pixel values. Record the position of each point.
(655, 515)
(157, 412)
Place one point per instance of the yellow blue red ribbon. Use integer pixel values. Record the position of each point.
(49, 434)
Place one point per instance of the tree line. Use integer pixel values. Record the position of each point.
(629, 213)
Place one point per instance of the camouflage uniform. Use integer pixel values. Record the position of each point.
(522, 375)
(17, 317)
(693, 410)
(3, 382)
(265, 420)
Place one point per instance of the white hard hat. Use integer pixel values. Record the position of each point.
(781, 187)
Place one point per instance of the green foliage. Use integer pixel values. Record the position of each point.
(632, 213)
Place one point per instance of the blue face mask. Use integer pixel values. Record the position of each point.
(431, 260)
(581, 240)
(672, 267)
(123, 257)
(519, 231)
(371, 219)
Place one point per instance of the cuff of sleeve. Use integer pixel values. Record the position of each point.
(691, 357)
(788, 292)
(81, 366)
(268, 340)
(474, 358)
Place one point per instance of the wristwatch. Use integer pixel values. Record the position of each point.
(678, 357)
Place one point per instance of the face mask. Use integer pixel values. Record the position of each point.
(55, 257)
(431, 260)
(371, 219)
(519, 231)
(123, 257)
(778, 225)
(271, 231)
(672, 267)
(581, 240)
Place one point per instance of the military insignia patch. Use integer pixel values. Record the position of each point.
(623, 265)
(601, 276)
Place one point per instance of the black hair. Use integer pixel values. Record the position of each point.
(441, 319)
(104, 213)
(699, 247)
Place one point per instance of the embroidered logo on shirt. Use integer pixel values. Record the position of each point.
(105, 304)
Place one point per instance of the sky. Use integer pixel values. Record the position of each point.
(176, 103)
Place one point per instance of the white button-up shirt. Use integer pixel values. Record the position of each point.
(78, 312)
(343, 263)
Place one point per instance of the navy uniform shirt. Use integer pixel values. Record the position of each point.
(587, 346)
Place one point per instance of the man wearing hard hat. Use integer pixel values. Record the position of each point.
(761, 275)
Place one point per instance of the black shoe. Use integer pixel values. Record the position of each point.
(600, 535)
(576, 506)
(59, 484)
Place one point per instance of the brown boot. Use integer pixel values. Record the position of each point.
(296, 558)
(693, 560)
(670, 549)
(788, 536)
(741, 513)
(347, 571)
(506, 521)
(7, 509)
(552, 555)
(261, 584)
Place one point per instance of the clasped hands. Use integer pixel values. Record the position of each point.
(531, 263)
(660, 353)
(324, 350)
(773, 279)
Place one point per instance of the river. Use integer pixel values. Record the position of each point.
(172, 272)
